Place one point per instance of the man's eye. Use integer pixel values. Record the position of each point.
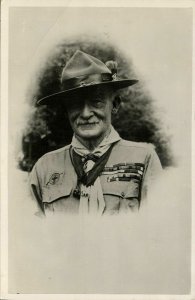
(98, 98)
(73, 103)
(98, 103)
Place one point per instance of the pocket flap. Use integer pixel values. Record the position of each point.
(54, 192)
(124, 189)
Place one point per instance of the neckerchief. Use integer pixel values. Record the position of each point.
(87, 175)
(88, 166)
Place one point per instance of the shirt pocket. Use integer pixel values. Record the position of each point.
(54, 192)
(131, 199)
(54, 197)
(121, 196)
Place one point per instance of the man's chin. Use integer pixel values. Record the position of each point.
(89, 134)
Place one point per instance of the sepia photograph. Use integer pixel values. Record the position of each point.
(97, 150)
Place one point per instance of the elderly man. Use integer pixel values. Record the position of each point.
(98, 173)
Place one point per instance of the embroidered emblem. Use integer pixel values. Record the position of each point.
(54, 178)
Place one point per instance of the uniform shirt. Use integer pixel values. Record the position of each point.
(130, 170)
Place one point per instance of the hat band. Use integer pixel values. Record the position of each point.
(86, 80)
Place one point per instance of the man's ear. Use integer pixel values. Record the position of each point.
(116, 103)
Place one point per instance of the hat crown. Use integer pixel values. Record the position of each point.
(82, 64)
(85, 71)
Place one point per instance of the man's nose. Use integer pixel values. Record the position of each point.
(86, 111)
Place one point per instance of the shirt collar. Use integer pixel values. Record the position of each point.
(112, 137)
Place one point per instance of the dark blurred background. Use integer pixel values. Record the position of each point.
(48, 128)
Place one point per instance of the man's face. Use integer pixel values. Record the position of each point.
(90, 114)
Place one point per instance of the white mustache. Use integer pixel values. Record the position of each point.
(87, 122)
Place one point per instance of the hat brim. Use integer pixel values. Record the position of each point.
(64, 95)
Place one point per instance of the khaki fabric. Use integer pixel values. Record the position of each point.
(53, 179)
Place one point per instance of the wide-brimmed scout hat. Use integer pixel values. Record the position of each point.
(84, 71)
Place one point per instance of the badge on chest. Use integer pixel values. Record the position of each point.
(124, 172)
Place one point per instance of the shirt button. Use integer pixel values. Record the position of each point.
(123, 194)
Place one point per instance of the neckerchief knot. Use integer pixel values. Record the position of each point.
(89, 156)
